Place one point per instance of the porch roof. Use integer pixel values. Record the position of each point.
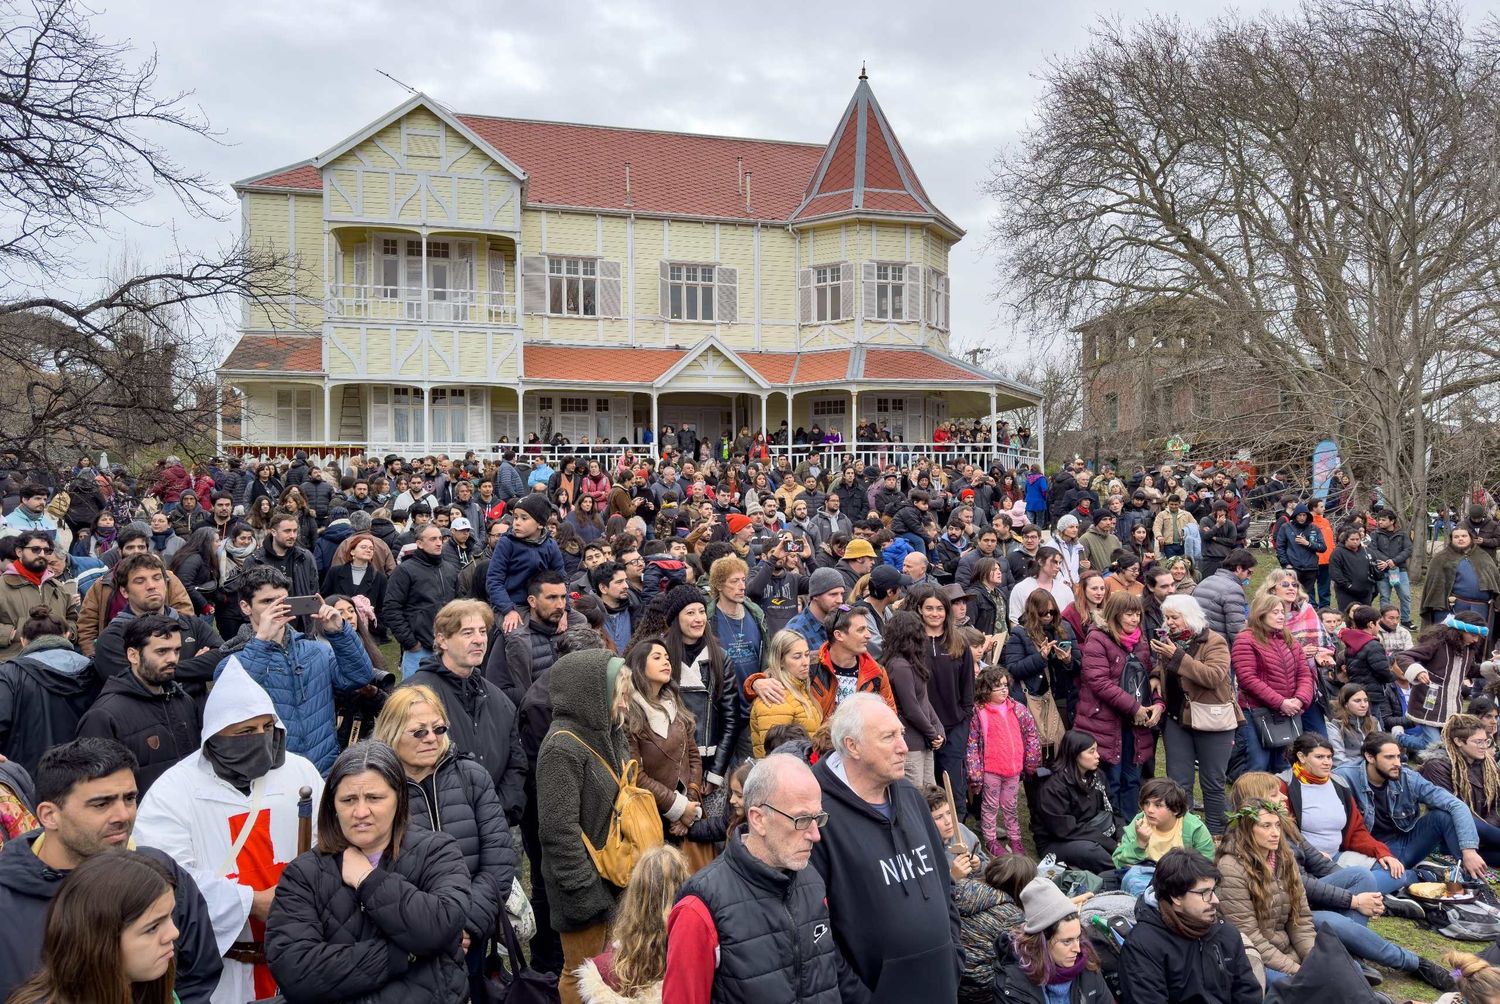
(273, 354)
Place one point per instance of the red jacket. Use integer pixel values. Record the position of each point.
(1357, 836)
(171, 483)
(1269, 674)
(1104, 710)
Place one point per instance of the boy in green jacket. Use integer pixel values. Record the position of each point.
(1164, 823)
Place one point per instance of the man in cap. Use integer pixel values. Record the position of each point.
(460, 548)
(886, 585)
(825, 593)
(858, 559)
(741, 532)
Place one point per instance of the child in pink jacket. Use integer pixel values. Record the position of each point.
(1003, 745)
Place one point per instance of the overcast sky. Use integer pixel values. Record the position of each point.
(284, 79)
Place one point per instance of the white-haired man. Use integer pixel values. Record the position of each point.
(883, 862)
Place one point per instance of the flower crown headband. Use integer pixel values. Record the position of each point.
(1252, 810)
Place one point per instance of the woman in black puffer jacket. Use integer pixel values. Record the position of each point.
(343, 929)
(451, 792)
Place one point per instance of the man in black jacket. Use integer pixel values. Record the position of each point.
(282, 553)
(86, 803)
(418, 589)
(882, 860)
(1180, 948)
(532, 647)
(1392, 549)
(145, 583)
(145, 710)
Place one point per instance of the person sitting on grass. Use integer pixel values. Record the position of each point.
(1478, 981)
(1163, 823)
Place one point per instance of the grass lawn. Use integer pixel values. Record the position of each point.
(1398, 986)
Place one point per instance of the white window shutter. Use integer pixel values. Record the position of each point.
(666, 292)
(609, 289)
(929, 303)
(846, 291)
(495, 277)
(361, 271)
(413, 278)
(463, 274)
(380, 413)
(534, 283)
(727, 295)
(805, 296)
(943, 307)
(871, 302)
(912, 301)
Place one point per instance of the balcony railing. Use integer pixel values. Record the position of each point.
(402, 303)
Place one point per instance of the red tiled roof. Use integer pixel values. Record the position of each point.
(773, 367)
(303, 177)
(591, 365)
(276, 354)
(583, 166)
(818, 367)
(912, 364)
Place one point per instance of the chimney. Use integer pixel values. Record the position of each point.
(739, 167)
(747, 192)
(628, 201)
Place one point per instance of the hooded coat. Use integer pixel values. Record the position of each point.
(44, 691)
(481, 721)
(194, 815)
(1300, 557)
(27, 887)
(576, 792)
(889, 892)
(1367, 664)
(423, 583)
(1104, 710)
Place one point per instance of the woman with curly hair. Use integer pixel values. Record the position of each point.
(1466, 766)
(631, 969)
(1261, 892)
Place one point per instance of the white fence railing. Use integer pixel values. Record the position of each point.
(403, 303)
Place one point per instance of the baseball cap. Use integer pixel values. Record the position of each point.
(884, 578)
(461, 524)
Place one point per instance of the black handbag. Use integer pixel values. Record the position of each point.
(521, 984)
(1135, 681)
(1275, 731)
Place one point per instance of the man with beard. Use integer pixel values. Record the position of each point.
(144, 709)
(86, 804)
(532, 647)
(1180, 948)
(239, 780)
(29, 583)
(281, 552)
(144, 580)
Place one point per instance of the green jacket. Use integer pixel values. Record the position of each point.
(1195, 836)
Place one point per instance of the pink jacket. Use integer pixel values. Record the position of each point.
(1269, 674)
(1031, 746)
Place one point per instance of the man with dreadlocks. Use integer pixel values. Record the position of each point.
(1466, 767)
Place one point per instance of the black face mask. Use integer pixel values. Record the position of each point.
(241, 759)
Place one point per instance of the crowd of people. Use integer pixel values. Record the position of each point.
(823, 731)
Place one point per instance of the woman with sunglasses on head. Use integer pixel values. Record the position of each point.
(449, 791)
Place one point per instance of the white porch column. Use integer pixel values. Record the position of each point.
(327, 412)
(426, 419)
(656, 442)
(1041, 437)
(994, 427)
(520, 416)
(422, 311)
(765, 421)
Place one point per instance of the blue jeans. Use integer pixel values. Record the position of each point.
(1364, 943)
(1325, 587)
(1123, 779)
(1433, 827)
(410, 661)
(1257, 757)
(1489, 842)
(1402, 589)
(1313, 719)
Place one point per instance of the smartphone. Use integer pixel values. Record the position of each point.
(794, 546)
(1066, 646)
(304, 606)
(1162, 634)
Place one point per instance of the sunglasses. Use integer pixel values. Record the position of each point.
(438, 730)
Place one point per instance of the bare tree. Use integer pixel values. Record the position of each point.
(130, 365)
(1324, 183)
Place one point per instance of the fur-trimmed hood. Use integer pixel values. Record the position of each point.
(593, 989)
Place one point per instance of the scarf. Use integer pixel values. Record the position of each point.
(239, 554)
(1180, 923)
(1061, 976)
(1302, 775)
(1130, 639)
(34, 578)
(105, 539)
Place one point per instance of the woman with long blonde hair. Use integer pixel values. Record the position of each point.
(789, 662)
(1478, 981)
(631, 969)
(1261, 892)
(1275, 679)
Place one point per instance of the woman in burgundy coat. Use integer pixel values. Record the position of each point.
(1117, 701)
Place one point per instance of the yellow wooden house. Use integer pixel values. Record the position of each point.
(465, 280)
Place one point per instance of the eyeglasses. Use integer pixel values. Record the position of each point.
(37, 550)
(1207, 895)
(437, 730)
(799, 822)
(1049, 613)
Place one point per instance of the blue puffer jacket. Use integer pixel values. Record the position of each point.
(301, 677)
(1294, 555)
(1408, 795)
(513, 564)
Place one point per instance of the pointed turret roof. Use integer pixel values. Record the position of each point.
(864, 171)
